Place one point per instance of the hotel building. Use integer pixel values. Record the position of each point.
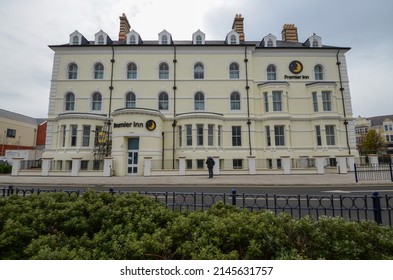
(169, 104)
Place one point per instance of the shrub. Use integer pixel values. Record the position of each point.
(105, 226)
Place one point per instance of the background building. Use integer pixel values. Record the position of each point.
(382, 124)
(174, 102)
(21, 136)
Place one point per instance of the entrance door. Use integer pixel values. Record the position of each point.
(132, 156)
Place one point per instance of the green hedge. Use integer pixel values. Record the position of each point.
(5, 168)
(105, 226)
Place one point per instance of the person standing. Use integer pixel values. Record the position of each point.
(210, 163)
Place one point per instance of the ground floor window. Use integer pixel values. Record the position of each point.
(237, 163)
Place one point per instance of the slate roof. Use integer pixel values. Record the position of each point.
(20, 118)
(378, 120)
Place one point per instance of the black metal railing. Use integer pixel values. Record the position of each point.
(373, 172)
(355, 208)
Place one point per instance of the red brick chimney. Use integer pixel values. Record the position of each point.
(238, 26)
(124, 28)
(289, 33)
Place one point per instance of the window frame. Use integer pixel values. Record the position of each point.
(98, 71)
(236, 136)
(234, 71)
(319, 72)
(130, 100)
(72, 73)
(330, 135)
(199, 134)
(279, 135)
(73, 135)
(68, 103)
(271, 72)
(163, 71)
(235, 101)
(163, 101)
(86, 135)
(188, 135)
(277, 100)
(96, 101)
(327, 100)
(315, 101)
(199, 71)
(132, 71)
(199, 101)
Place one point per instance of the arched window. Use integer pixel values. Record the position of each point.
(164, 40)
(96, 101)
(199, 71)
(198, 40)
(318, 72)
(163, 71)
(132, 40)
(315, 43)
(130, 100)
(235, 101)
(270, 43)
(271, 72)
(234, 71)
(163, 101)
(98, 71)
(131, 71)
(75, 40)
(69, 102)
(233, 40)
(100, 40)
(199, 101)
(72, 71)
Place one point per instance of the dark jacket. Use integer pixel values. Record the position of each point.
(210, 162)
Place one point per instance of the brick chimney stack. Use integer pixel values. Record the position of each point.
(238, 26)
(124, 28)
(289, 33)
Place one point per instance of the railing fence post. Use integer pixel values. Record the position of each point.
(10, 190)
(234, 197)
(391, 173)
(377, 208)
(356, 174)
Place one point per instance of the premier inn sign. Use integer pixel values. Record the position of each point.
(150, 125)
(296, 67)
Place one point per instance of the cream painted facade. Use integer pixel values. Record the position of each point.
(223, 100)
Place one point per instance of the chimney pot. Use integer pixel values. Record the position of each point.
(289, 33)
(124, 28)
(238, 26)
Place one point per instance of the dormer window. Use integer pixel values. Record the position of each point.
(314, 41)
(77, 38)
(233, 38)
(101, 38)
(198, 38)
(164, 38)
(133, 38)
(269, 41)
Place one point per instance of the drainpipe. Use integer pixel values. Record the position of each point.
(174, 107)
(109, 140)
(248, 101)
(342, 94)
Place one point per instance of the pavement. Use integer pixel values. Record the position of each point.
(220, 180)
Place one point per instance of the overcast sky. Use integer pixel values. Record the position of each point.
(27, 27)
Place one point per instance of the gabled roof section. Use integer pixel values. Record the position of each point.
(19, 117)
(101, 38)
(76, 38)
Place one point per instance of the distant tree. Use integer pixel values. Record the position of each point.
(372, 142)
